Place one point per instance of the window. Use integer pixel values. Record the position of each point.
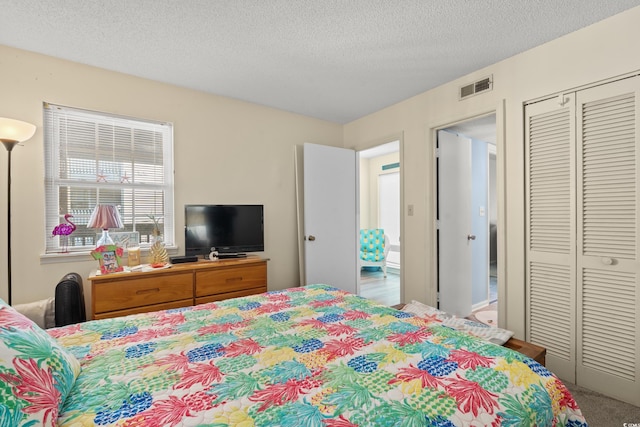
(93, 157)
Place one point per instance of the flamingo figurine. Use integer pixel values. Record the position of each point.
(63, 230)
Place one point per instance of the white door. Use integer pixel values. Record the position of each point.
(454, 218)
(330, 221)
(608, 226)
(551, 248)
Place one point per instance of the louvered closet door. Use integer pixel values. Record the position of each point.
(608, 336)
(550, 139)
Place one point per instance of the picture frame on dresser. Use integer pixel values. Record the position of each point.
(110, 258)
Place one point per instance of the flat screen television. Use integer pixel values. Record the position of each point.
(230, 229)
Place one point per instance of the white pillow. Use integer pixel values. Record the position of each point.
(42, 312)
(486, 332)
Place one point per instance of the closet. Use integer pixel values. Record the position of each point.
(582, 226)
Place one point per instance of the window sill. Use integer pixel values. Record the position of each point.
(81, 256)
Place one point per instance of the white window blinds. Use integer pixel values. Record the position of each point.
(93, 157)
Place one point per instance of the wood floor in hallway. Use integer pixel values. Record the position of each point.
(375, 286)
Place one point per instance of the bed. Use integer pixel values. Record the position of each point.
(310, 356)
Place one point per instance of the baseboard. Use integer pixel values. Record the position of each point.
(481, 304)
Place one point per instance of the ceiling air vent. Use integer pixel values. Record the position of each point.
(476, 87)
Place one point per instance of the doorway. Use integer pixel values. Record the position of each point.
(466, 211)
(379, 207)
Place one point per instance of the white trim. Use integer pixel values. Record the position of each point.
(431, 130)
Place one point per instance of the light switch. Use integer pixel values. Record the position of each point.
(481, 210)
(410, 210)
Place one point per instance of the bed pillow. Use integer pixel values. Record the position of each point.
(486, 332)
(41, 312)
(36, 373)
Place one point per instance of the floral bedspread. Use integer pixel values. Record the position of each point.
(314, 357)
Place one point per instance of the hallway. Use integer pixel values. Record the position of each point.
(375, 286)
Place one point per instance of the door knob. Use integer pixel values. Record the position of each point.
(607, 261)
(312, 238)
(471, 237)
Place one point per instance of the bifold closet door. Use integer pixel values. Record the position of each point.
(550, 228)
(583, 228)
(608, 150)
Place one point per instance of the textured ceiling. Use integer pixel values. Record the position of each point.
(336, 60)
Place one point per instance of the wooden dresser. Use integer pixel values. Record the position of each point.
(181, 285)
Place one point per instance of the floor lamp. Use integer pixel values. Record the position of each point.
(11, 133)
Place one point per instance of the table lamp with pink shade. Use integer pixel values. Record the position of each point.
(105, 217)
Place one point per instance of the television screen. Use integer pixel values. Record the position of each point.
(227, 228)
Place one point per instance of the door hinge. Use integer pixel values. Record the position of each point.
(437, 224)
(437, 153)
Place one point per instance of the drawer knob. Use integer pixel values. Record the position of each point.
(234, 279)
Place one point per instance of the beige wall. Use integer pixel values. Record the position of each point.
(596, 53)
(226, 151)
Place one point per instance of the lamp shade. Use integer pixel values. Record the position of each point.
(15, 130)
(105, 217)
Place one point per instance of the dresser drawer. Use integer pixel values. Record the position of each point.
(115, 295)
(231, 279)
(236, 294)
(145, 309)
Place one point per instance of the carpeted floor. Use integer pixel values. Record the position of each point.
(603, 411)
